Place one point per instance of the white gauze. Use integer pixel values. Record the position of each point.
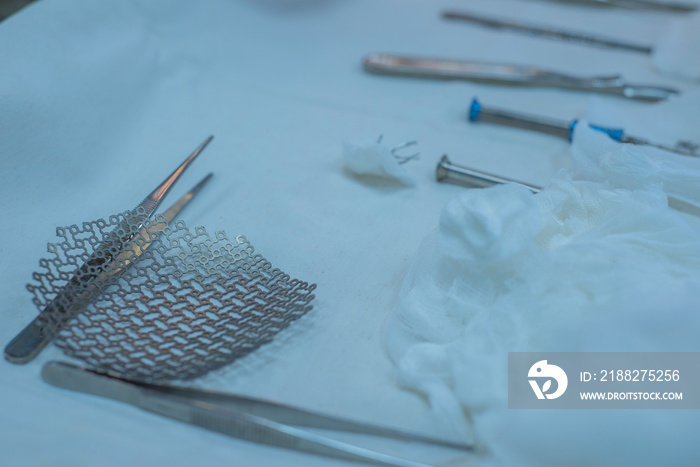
(375, 159)
(591, 263)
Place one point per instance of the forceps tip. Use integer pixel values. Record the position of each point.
(196, 152)
(153, 200)
(201, 184)
(206, 141)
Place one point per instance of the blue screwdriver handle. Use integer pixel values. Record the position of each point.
(615, 133)
(565, 130)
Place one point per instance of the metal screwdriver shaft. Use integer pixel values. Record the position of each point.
(565, 130)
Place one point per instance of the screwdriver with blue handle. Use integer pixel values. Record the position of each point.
(565, 130)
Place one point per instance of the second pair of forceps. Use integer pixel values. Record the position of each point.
(90, 279)
(237, 416)
(509, 74)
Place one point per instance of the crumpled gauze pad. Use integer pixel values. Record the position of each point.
(594, 262)
(676, 51)
(375, 159)
(677, 174)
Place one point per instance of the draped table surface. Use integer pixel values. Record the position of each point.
(100, 100)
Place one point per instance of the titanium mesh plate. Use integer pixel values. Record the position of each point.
(188, 304)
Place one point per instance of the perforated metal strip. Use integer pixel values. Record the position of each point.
(175, 305)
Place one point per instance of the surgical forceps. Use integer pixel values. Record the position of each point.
(90, 279)
(240, 417)
(507, 74)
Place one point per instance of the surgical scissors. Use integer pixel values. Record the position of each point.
(237, 416)
(99, 271)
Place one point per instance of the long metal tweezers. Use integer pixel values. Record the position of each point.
(676, 7)
(240, 417)
(90, 278)
(548, 32)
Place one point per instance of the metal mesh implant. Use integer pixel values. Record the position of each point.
(175, 304)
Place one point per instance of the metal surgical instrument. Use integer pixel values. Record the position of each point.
(90, 278)
(519, 75)
(548, 32)
(447, 172)
(565, 130)
(240, 417)
(676, 7)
